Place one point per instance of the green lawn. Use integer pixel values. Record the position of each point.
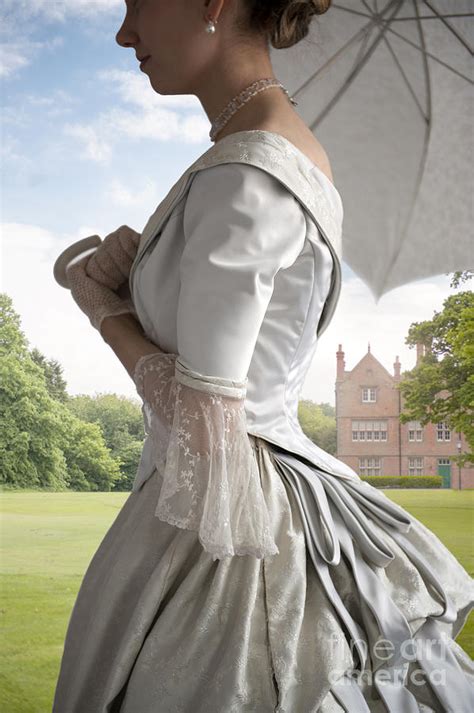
(48, 540)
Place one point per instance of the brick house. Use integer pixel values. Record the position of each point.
(370, 437)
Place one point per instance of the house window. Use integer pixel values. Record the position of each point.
(415, 466)
(369, 430)
(443, 432)
(444, 461)
(369, 466)
(368, 394)
(415, 431)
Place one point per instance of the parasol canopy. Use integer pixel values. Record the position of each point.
(387, 87)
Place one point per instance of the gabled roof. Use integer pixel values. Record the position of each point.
(368, 360)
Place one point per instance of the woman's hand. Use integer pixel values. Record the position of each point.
(110, 264)
(96, 300)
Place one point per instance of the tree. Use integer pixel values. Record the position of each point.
(120, 420)
(30, 429)
(42, 443)
(90, 464)
(12, 340)
(318, 422)
(461, 276)
(441, 386)
(53, 374)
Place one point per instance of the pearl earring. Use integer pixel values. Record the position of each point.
(211, 26)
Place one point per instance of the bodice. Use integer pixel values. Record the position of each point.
(303, 293)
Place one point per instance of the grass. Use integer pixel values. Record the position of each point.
(450, 515)
(48, 540)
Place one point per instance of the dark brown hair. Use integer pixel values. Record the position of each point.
(284, 22)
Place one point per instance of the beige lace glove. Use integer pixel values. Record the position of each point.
(94, 299)
(110, 264)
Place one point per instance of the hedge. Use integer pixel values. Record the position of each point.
(405, 481)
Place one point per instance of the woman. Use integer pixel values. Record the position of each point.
(249, 570)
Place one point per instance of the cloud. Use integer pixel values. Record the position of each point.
(358, 321)
(50, 318)
(52, 321)
(145, 115)
(121, 195)
(23, 17)
(93, 147)
(19, 20)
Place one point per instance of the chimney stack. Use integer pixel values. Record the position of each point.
(420, 352)
(341, 364)
(396, 369)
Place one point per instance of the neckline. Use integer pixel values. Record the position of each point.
(276, 135)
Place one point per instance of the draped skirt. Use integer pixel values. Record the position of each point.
(358, 611)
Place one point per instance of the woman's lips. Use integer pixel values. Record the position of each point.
(143, 62)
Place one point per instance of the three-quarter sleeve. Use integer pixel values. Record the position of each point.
(241, 226)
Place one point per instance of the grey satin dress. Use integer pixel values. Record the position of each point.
(249, 570)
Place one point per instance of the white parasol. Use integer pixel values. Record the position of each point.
(387, 87)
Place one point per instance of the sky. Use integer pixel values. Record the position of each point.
(87, 145)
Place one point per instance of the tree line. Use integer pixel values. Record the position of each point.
(52, 440)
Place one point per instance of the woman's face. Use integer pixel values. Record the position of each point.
(172, 33)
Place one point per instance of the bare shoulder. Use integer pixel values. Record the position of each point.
(304, 140)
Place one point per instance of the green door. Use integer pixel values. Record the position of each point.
(444, 470)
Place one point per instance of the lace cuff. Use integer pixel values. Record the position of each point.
(211, 482)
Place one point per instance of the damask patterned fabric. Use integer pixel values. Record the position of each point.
(249, 570)
(159, 626)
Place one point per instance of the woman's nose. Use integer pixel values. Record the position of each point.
(125, 36)
(119, 37)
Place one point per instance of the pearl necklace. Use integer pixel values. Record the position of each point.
(242, 98)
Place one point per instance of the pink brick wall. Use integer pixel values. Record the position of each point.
(394, 453)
